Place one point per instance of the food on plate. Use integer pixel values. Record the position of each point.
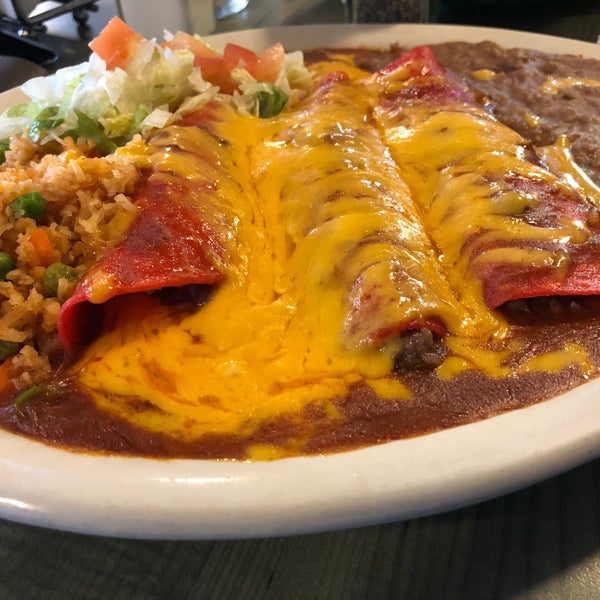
(541, 95)
(229, 254)
(183, 233)
(502, 220)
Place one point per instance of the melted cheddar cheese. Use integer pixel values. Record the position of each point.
(335, 244)
(275, 335)
(460, 163)
(554, 85)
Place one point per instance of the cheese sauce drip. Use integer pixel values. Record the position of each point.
(346, 229)
(556, 84)
(280, 332)
(558, 158)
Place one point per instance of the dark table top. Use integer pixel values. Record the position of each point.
(541, 542)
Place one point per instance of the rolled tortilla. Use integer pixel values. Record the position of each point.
(504, 226)
(353, 236)
(185, 229)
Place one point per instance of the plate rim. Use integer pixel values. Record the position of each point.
(219, 499)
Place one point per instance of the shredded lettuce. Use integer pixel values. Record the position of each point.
(259, 98)
(294, 76)
(119, 103)
(92, 130)
(110, 106)
(46, 120)
(271, 102)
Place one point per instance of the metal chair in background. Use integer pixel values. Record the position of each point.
(30, 19)
(21, 22)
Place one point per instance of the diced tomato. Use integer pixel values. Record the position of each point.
(116, 43)
(217, 69)
(185, 41)
(216, 72)
(237, 56)
(265, 67)
(270, 63)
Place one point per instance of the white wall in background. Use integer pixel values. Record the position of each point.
(151, 17)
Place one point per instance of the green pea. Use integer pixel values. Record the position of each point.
(31, 206)
(54, 273)
(6, 264)
(8, 349)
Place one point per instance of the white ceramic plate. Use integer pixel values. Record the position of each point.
(222, 499)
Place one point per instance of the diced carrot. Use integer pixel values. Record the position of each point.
(4, 373)
(42, 246)
(115, 43)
